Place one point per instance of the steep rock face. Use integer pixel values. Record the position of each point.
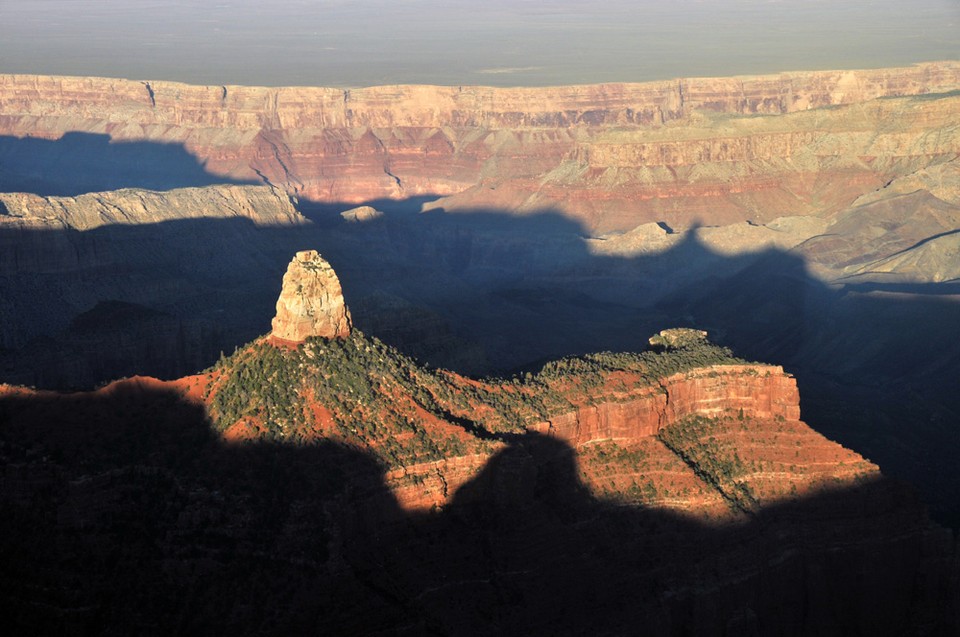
(250, 108)
(762, 392)
(510, 148)
(27, 221)
(311, 301)
(724, 168)
(192, 259)
(759, 391)
(629, 420)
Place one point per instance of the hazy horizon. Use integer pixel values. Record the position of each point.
(500, 43)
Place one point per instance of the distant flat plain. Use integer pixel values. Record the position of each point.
(458, 42)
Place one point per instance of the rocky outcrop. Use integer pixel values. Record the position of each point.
(193, 260)
(311, 301)
(363, 214)
(758, 391)
(517, 148)
(28, 221)
(762, 392)
(263, 206)
(677, 338)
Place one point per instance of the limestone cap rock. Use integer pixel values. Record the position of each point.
(363, 214)
(677, 338)
(311, 301)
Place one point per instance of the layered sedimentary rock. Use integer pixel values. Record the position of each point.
(35, 230)
(759, 391)
(607, 154)
(838, 256)
(339, 486)
(191, 261)
(311, 301)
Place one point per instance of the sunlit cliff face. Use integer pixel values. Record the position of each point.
(610, 156)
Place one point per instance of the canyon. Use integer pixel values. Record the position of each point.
(458, 455)
(610, 155)
(337, 485)
(111, 284)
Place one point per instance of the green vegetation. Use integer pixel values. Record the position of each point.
(694, 439)
(372, 395)
(652, 366)
(262, 382)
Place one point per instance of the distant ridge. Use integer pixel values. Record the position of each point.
(513, 148)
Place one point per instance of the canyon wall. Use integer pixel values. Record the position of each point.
(857, 297)
(762, 392)
(593, 151)
(104, 285)
(240, 108)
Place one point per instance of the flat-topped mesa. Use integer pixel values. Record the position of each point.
(763, 392)
(311, 301)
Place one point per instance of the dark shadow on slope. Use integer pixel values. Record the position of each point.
(490, 292)
(946, 288)
(202, 286)
(79, 163)
(123, 513)
(328, 214)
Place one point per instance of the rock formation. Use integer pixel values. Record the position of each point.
(311, 301)
(340, 486)
(758, 391)
(613, 156)
(192, 259)
(830, 201)
(677, 337)
(363, 214)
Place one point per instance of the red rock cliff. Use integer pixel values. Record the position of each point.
(539, 146)
(760, 391)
